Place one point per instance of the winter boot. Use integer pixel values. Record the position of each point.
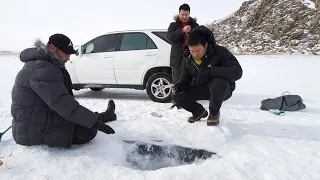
(213, 120)
(110, 111)
(195, 118)
(111, 106)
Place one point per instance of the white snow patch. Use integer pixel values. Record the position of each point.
(309, 4)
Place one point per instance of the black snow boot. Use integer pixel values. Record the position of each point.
(197, 117)
(111, 109)
(109, 114)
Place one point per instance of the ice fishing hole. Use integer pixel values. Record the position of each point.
(148, 156)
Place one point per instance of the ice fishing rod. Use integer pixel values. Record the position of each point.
(2, 133)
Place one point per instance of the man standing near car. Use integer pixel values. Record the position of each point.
(178, 33)
(43, 108)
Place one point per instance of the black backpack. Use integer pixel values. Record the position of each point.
(285, 103)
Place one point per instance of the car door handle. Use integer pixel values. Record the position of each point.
(151, 54)
(108, 56)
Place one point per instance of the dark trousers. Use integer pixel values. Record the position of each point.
(216, 91)
(176, 72)
(82, 135)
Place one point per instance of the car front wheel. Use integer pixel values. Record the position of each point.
(159, 87)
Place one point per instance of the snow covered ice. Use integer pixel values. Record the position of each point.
(308, 3)
(250, 143)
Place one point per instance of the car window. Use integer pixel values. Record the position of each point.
(162, 35)
(150, 44)
(105, 43)
(136, 41)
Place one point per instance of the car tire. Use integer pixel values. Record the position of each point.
(159, 87)
(96, 89)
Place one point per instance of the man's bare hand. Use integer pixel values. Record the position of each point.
(186, 29)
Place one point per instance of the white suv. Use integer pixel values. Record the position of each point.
(126, 59)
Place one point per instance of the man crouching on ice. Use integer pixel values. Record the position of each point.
(43, 107)
(209, 72)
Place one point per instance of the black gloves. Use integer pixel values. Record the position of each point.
(100, 126)
(104, 117)
(176, 89)
(203, 76)
(109, 114)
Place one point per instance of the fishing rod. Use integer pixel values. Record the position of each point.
(2, 133)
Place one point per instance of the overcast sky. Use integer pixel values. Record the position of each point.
(22, 21)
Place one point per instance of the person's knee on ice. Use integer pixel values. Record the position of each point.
(83, 135)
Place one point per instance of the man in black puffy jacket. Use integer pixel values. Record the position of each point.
(43, 107)
(178, 32)
(209, 72)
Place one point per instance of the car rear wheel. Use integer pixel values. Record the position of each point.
(159, 87)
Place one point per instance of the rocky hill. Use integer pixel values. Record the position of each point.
(271, 27)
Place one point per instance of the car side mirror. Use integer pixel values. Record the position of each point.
(82, 49)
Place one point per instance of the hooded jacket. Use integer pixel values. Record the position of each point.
(177, 38)
(43, 108)
(218, 59)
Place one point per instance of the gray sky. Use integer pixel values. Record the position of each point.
(22, 21)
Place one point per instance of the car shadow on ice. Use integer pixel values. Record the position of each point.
(114, 94)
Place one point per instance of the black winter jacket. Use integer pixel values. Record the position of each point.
(221, 61)
(43, 107)
(176, 36)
